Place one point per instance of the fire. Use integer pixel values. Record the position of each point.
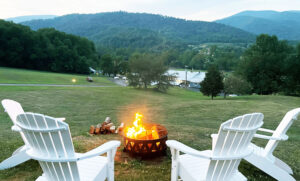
(139, 131)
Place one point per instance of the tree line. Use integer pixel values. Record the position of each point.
(269, 66)
(45, 49)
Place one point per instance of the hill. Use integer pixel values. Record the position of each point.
(285, 24)
(46, 49)
(20, 19)
(122, 29)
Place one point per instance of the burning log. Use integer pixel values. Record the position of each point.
(145, 139)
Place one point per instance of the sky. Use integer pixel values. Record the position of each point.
(205, 10)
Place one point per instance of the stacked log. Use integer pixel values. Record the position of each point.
(107, 127)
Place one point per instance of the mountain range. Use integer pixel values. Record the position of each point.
(20, 19)
(122, 29)
(285, 25)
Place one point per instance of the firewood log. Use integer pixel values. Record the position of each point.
(92, 129)
(113, 129)
(107, 127)
(107, 120)
(120, 128)
(97, 131)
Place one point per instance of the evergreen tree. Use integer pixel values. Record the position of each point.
(212, 84)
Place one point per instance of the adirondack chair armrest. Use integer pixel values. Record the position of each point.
(16, 128)
(188, 150)
(60, 119)
(283, 137)
(265, 130)
(106, 147)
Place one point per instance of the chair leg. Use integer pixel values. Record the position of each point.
(111, 165)
(174, 171)
(270, 168)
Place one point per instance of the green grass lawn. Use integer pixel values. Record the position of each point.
(188, 116)
(22, 76)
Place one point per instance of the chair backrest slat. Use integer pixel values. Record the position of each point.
(233, 139)
(282, 128)
(51, 139)
(13, 109)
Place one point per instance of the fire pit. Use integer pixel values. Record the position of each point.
(145, 139)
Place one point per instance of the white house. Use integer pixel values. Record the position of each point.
(193, 78)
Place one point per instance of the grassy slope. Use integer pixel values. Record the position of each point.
(22, 76)
(188, 116)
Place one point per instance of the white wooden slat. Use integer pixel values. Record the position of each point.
(226, 148)
(239, 146)
(228, 170)
(59, 171)
(30, 134)
(74, 171)
(255, 120)
(239, 141)
(211, 169)
(26, 134)
(52, 170)
(59, 142)
(66, 169)
(42, 125)
(231, 136)
(56, 138)
(222, 136)
(46, 170)
(218, 168)
(40, 141)
(67, 141)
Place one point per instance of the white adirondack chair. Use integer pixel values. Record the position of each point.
(263, 158)
(19, 156)
(220, 163)
(50, 143)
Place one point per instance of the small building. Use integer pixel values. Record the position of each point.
(193, 78)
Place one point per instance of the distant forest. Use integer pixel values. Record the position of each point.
(113, 39)
(181, 42)
(46, 49)
(143, 31)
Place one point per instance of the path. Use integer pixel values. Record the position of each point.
(56, 85)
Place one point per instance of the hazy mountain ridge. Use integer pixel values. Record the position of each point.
(285, 24)
(134, 27)
(20, 19)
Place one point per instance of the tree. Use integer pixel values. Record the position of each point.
(106, 64)
(146, 70)
(212, 84)
(262, 64)
(236, 85)
(292, 74)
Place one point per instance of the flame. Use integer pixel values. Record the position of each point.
(138, 131)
